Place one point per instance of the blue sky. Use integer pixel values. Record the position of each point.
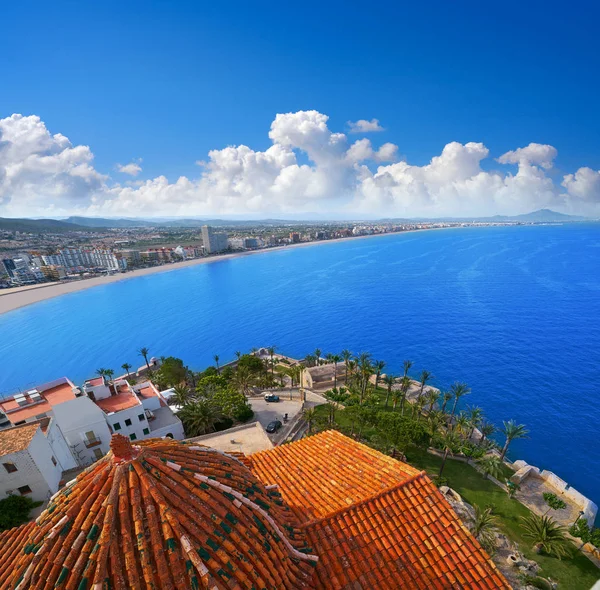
(168, 81)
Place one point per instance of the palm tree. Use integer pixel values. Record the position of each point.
(101, 372)
(458, 390)
(216, 357)
(378, 367)
(145, 352)
(110, 374)
(407, 366)
(434, 419)
(389, 380)
(182, 395)
(490, 465)
(446, 397)
(404, 387)
(318, 354)
(271, 351)
(425, 377)
(484, 528)
(199, 417)
(398, 395)
(546, 535)
(346, 355)
(238, 354)
(475, 415)
(309, 415)
(242, 379)
(512, 431)
(432, 396)
(335, 359)
(486, 429)
(461, 424)
(449, 442)
(126, 367)
(365, 369)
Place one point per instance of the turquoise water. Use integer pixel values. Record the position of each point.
(514, 312)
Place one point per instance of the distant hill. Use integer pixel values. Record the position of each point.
(39, 225)
(547, 215)
(539, 216)
(103, 222)
(124, 222)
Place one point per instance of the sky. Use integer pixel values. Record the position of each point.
(275, 109)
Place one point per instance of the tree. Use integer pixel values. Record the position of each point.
(399, 431)
(145, 352)
(238, 354)
(309, 415)
(407, 365)
(404, 387)
(232, 404)
(389, 380)
(318, 355)
(484, 528)
(486, 429)
(365, 369)
(431, 397)
(335, 359)
(14, 511)
(398, 395)
(126, 367)
(512, 431)
(172, 372)
(449, 443)
(182, 395)
(491, 466)
(110, 374)
(553, 502)
(458, 390)
(102, 372)
(447, 396)
(216, 357)
(546, 535)
(200, 417)
(378, 367)
(461, 425)
(475, 416)
(271, 351)
(346, 355)
(425, 377)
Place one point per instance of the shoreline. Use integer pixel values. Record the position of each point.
(18, 297)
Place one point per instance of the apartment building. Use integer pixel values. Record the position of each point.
(137, 411)
(213, 241)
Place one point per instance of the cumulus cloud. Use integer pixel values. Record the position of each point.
(132, 169)
(307, 168)
(364, 126)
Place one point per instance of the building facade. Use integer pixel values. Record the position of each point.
(214, 241)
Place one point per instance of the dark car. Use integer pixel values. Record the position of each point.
(271, 397)
(274, 426)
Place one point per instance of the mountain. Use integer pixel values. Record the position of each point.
(39, 225)
(539, 216)
(547, 216)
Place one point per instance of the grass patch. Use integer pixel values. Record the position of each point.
(575, 573)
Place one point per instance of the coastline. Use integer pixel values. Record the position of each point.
(18, 297)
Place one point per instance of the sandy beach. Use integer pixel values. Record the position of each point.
(11, 299)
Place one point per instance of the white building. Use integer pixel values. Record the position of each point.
(137, 411)
(81, 423)
(30, 466)
(213, 241)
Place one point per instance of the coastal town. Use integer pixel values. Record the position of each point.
(375, 468)
(47, 253)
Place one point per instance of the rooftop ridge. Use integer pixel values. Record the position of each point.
(364, 501)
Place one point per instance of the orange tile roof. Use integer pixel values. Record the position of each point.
(328, 471)
(11, 543)
(123, 400)
(407, 537)
(50, 397)
(162, 514)
(13, 440)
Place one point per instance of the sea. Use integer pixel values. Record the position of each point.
(514, 312)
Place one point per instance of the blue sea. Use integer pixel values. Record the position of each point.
(512, 311)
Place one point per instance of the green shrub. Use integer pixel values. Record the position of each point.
(14, 511)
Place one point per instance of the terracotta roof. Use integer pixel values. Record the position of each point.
(123, 399)
(407, 537)
(162, 514)
(50, 397)
(328, 471)
(11, 542)
(13, 440)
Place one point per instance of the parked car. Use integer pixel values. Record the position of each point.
(274, 426)
(271, 397)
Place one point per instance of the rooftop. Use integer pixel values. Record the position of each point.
(122, 399)
(60, 391)
(17, 438)
(163, 417)
(167, 514)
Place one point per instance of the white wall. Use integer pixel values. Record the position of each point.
(34, 469)
(60, 447)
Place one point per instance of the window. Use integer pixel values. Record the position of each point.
(10, 467)
(98, 453)
(146, 431)
(53, 461)
(141, 417)
(116, 426)
(128, 422)
(132, 436)
(24, 490)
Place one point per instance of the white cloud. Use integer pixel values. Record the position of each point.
(535, 153)
(308, 168)
(364, 126)
(133, 168)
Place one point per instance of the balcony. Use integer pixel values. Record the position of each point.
(92, 442)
